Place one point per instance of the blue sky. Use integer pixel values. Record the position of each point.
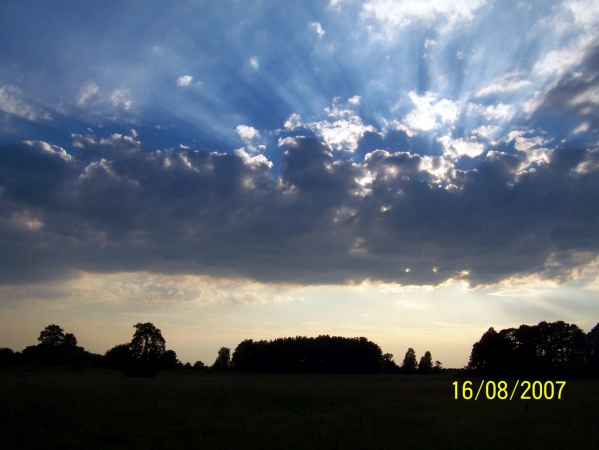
(411, 171)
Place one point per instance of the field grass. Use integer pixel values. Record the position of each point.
(99, 409)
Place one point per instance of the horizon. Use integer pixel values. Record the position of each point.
(413, 172)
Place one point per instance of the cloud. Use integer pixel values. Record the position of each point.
(254, 63)
(121, 98)
(11, 102)
(342, 134)
(392, 15)
(575, 93)
(455, 148)
(247, 133)
(91, 96)
(88, 91)
(116, 206)
(317, 27)
(429, 113)
(499, 111)
(507, 83)
(293, 122)
(185, 80)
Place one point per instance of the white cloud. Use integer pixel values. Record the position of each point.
(525, 144)
(454, 148)
(355, 100)
(254, 63)
(493, 112)
(426, 114)
(293, 122)
(317, 27)
(586, 12)
(247, 133)
(89, 90)
(342, 134)
(507, 83)
(560, 61)
(185, 80)
(12, 103)
(335, 5)
(485, 131)
(120, 97)
(392, 14)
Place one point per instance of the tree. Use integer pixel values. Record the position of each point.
(146, 348)
(169, 361)
(147, 343)
(426, 364)
(118, 357)
(52, 335)
(389, 365)
(223, 360)
(438, 367)
(409, 362)
(69, 340)
(199, 365)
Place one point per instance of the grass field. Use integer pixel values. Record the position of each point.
(99, 409)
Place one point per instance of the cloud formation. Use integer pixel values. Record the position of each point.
(115, 205)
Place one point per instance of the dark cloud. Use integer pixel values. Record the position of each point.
(576, 91)
(116, 205)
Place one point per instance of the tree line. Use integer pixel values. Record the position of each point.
(147, 353)
(542, 350)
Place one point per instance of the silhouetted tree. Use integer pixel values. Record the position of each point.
(7, 357)
(425, 366)
(323, 354)
(69, 340)
(409, 363)
(57, 348)
(546, 349)
(223, 360)
(199, 365)
(438, 368)
(146, 347)
(52, 335)
(593, 352)
(118, 357)
(389, 365)
(168, 361)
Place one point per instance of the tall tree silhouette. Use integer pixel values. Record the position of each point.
(223, 360)
(426, 363)
(146, 347)
(409, 363)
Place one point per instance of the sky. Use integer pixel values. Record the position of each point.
(409, 171)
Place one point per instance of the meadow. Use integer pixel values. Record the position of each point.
(101, 409)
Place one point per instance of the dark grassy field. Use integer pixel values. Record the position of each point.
(99, 409)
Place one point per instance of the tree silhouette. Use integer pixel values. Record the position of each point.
(146, 347)
(52, 335)
(409, 362)
(223, 360)
(546, 349)
(169, 361)
(593, 352)
(323, 354)
(118, 357)
(426, 364)
(389, 365)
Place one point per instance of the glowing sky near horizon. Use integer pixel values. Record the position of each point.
(409, 171)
